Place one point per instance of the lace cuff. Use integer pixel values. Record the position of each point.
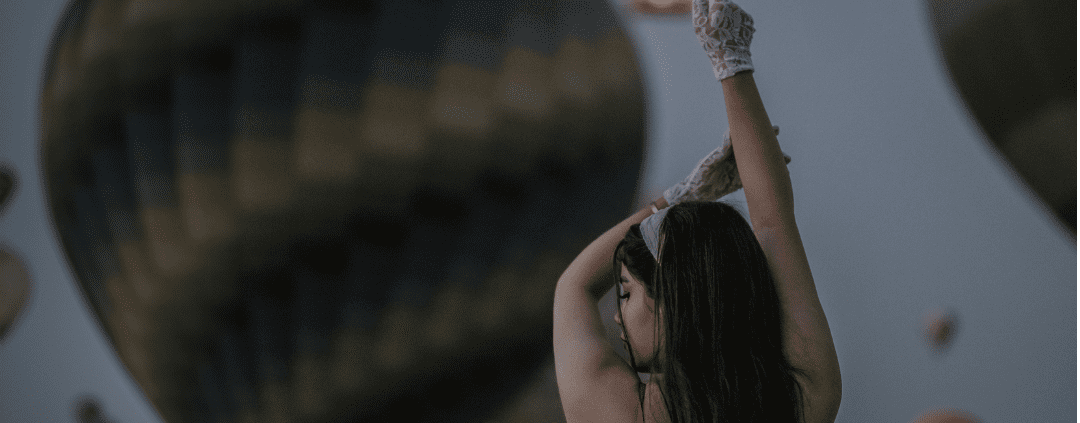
(725, 31)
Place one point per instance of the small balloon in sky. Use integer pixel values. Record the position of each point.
(7, 186)
(947, 416)
(940, 328)
(88, 410)
(14, 290)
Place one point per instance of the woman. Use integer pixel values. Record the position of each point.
(724, 318)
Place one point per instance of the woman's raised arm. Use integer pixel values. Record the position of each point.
(762, 170)
(595, 384)
(725, 31)
(807, 339)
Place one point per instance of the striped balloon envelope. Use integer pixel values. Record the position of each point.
(335, 211)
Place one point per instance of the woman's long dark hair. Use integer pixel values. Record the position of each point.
(722, 357)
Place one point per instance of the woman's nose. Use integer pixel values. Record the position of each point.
(618, 319)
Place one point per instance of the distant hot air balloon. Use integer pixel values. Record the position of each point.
(940, 328)
(947, 416)
(7, 186)
(88, 410)
(1013, 63)
(15, 290)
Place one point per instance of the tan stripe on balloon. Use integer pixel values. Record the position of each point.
(65, 79)
(393, 124)
(261, 181)
(575, 71)
(523, 84)
(125, 306)
(100, 34)
(493, 307)
(164, 232)
(309, 386)
(351, 355)
(247, 415)
(207, 212)
(138, 272)
(325, 145)
(615, 61)
(143, 12)
(461, 102)
(273, 395)
(396, 345)
(447, 316)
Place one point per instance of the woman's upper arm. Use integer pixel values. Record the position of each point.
(808, 340)
(770, 200)
(595, 383)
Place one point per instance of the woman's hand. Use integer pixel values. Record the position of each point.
(715, 176)
(725, 31)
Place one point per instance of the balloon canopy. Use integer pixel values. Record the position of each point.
(1013, 62)
(334, 210)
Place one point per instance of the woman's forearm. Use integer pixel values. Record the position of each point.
(591, 270)
(762, 168)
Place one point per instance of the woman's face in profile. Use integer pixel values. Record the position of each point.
(638, 321)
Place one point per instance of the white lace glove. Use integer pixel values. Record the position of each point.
(715, 176)
(725, 31)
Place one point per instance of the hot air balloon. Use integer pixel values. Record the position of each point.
(334, 211)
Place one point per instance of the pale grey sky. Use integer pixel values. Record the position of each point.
(903, 208)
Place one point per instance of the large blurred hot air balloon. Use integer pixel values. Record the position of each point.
(334, 211)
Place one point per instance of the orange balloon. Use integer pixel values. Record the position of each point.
(661, 7)
(948, 416)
